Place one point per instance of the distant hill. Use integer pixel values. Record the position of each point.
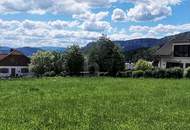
(135, 44)
(130, 45)
(57, 49)
(4, 50)
(29, 51)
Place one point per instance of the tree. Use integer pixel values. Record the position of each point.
(74, 60)
(42, 62)
(107, 56)
(143, 65)
(58, 62)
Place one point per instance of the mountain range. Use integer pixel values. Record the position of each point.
(131, 45)
(29, 51)
(127, 46)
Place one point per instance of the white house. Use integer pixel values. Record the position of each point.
(174, 54)
(14, 64)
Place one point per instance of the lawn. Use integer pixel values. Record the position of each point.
(94, 104)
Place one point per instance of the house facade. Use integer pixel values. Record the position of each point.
(174, 54)
(14, 64)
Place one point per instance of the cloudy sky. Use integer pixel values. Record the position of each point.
(64, 22)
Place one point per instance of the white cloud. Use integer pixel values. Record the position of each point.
(39, 33)
(89, 16)
(51, 6)
(160, 30)
(43, 6)
(98, 26)
(143, 10)
(119, 15)
(94, 21)
(146, 10)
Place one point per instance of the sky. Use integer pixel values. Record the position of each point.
(61, 23)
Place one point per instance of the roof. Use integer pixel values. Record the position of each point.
(166, 49)
(3, 55)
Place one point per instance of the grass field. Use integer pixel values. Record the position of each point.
(94, 104)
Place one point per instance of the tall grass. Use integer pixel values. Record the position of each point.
(94, 104)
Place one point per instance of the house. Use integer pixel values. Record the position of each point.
(14, 63)
(174, 54)
(129, 66)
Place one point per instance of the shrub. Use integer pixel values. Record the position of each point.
(143, 65)
(42, 62)
(63, 74)
(168, 73)
(103, 74)
(148, 73)
(49, 74)
(159, 73)
(126, 74)
(174, 73)
(187, 75)
(137, 74)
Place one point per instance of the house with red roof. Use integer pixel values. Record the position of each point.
(14, 63)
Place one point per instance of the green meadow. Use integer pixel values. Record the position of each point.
(94, 104)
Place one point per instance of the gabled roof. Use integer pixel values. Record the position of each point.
(166, 49)
(2, 56)
(12, 52)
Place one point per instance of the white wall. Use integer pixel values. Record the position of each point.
(183, 60)
(17, 71)
(164, 60)
(129, 66)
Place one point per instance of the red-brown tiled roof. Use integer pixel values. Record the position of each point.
(2, 56)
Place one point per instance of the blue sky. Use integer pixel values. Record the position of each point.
(66, 22)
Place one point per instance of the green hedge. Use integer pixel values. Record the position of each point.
(187, 75)
(49, 74)
(126, 74)
(137, 73)
(176, 73)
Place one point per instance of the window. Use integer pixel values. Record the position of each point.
(187, 65)
(4, 70)
(24, 70)
(182, 50)
(172, 65)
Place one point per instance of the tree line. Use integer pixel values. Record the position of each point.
(105, 56)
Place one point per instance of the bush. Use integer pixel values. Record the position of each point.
(148, 73)
(127, 74)
(174, 73)
(159, 73)
(49, 74)
(168, 73)
(63, 74)
(187, 75)
(42, 62)
(143, 65)
(137, 74)
(104, 74)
